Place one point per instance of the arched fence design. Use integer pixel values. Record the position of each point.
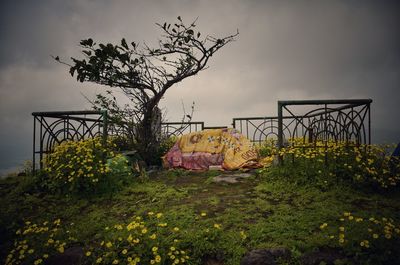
(52, 128)
(312, 120)
(323, 120)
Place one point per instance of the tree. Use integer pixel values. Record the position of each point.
(144, 74)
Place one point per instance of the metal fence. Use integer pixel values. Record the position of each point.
(325, 120)
(312, 120)
(52, 128)
(169, 129)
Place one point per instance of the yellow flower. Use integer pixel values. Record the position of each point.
(45, 256)
(158, 258)
(124, 251)
(153, 236)
(341, 240)
(154, 249)
(159, 215)
(323, 225)
(108, 244)
(217, 226)
(203, 214)
(88, 253)
(61, 249)
(38, 261)
(341, 228)
(115, 262)
(375, 236)
(243, 235)
(144, 231)
(176, 229)
(99, 260)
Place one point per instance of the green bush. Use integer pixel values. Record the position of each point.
(82, 167)
(369, 166)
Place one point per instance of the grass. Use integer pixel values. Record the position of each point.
(263, 211)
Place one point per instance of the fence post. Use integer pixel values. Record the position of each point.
(105, 126)
(280, 130)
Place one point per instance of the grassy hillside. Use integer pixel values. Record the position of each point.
(183, 217)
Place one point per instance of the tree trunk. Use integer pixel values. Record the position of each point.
(147, 140)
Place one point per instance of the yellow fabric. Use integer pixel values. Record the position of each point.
(237, 149)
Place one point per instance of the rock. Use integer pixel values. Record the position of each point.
(280, 252)
(231, 178)
(265, 256)
(326, 256)
(71, 256)
(227, 179)
(258, 257)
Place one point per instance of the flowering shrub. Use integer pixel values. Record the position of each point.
(362, 237)
(144, 240)
(324, 162)
(77, 166)
(35, 243)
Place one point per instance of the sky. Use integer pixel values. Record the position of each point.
(286, 50)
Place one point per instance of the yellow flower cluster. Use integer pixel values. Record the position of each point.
(144, 240)
(365, 231)
(370, 164)
(78, 163)
(36, 242)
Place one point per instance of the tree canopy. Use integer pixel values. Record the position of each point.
(145, 73)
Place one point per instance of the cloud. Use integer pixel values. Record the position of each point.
(285, 50)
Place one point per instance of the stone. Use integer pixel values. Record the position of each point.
(265, 256)
(280, 252)
(258, 257)
(231, 178)
(71, 256)
(326, 256)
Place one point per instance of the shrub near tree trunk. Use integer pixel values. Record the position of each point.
(144, 74)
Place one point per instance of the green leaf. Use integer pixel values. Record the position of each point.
(123, 43)
(72, 71)
(88, 42)
(88, 53)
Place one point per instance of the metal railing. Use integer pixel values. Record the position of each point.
(347, 120)
(169, 129)
(52, 128)
(315, 120)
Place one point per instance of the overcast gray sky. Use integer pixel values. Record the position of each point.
(285, 50)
